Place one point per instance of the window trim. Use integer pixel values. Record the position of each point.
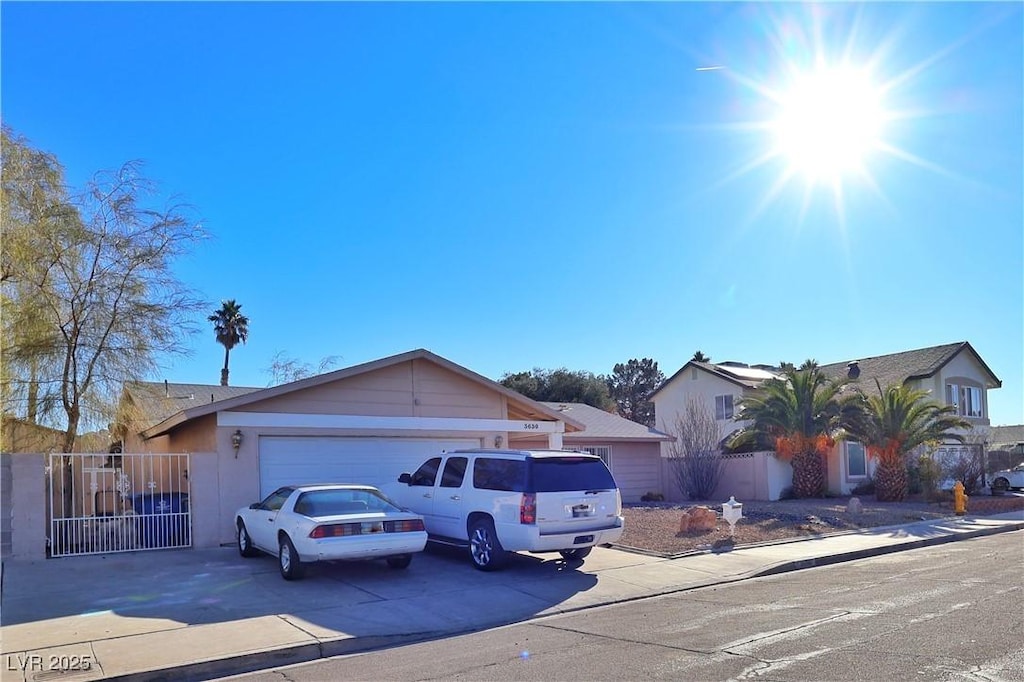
(961, 394)
(846, 461)
(727, 411)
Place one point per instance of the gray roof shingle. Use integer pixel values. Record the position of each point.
(1005, 437)
(156, 401)
(897, 368)
(605, 425)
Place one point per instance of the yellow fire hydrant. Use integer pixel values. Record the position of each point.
(959, 499)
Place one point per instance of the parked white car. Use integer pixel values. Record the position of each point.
(497, 501)
(304, 524)
(1007, 479)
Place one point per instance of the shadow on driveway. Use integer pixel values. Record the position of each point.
(439, 591)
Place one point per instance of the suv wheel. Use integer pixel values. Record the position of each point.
(484, 549)
(1000, 486)
(578, 554)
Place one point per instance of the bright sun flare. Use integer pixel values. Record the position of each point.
(829, 122)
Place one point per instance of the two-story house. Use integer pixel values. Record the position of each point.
(953, 374)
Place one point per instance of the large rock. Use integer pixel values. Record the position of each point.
(700, 519)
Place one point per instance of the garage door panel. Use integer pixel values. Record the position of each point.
(290, 460)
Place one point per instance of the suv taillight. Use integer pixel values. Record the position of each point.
(528, 508)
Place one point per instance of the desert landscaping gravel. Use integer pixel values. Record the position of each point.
(654, 527)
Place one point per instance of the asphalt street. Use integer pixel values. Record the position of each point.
(949, 612)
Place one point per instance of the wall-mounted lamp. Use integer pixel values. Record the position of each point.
(236, 441)
(498, 440)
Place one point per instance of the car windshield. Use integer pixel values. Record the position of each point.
(332, 502)
(552, 474)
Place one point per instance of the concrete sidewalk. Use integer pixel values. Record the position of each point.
(197, 614)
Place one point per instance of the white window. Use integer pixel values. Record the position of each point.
(723, 407)
(602, 451)
(856, 460)
(966, 399)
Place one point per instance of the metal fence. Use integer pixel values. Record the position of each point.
(101, 503)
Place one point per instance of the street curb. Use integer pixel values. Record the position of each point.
(273, 658)
(789, 566)
(312, 651)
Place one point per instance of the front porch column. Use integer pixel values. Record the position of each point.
(555, 441)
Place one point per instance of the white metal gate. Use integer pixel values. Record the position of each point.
(103, 503)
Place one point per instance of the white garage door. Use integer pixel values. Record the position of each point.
(291, 460)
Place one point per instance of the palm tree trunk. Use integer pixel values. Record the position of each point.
(224, 372)
(808, 474)
(891, 481)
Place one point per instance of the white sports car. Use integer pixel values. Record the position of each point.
(303, 524)
(1008, 479)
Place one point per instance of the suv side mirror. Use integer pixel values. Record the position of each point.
(405, 478)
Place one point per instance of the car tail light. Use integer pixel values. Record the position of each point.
(528, 508)
(336, 530)
(409, 526)
(340, 530)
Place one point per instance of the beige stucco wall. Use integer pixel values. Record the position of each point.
(749, 476)
(24, 506)
(965, 370)
(417, 388)
(672, 399)
(196, 436)
(205, 498)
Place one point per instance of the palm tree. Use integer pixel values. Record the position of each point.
(799, 415)
(700, 357)
(895, 422)
(231, 328)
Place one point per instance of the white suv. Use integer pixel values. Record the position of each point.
(497, 501)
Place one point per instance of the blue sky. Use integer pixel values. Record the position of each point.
(556, 185)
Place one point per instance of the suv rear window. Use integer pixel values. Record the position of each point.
(499, 474)
(550, 475)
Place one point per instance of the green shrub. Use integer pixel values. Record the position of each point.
(865, 487)
(929, 472)
(652, 496)
(914, 486)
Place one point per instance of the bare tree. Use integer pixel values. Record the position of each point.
(97, 284)
(284, 370)
(695, 455)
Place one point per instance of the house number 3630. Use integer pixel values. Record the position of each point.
(531, 426)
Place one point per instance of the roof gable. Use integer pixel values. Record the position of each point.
(519, 406)
(733, 376)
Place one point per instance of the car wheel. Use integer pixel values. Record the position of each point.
(1000, 486)
(245, 547)
(578, 554)
(288, 560)
(399, 562)
(484, 549)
